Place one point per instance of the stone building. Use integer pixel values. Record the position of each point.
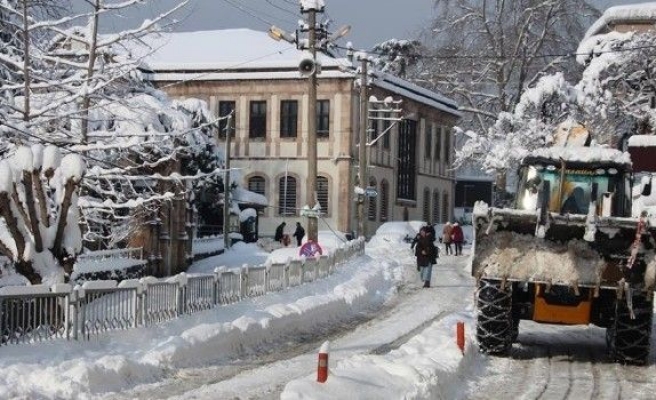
(246, 72)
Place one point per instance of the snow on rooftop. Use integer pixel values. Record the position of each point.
(415, 92)
(642, 141)
(214, 55)
(631, 13)
(226, 49)
(582, 154)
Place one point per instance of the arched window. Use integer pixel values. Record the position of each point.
(323, 193)
(436, 207)
(257, 184)
(426, 207)
(384, 200)
(287, 200)
(445, 207)
(371, 212)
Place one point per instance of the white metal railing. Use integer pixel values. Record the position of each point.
(37, 313)
(132, 252)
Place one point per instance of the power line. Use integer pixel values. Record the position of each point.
(251, 12)
(294, 3)
(283, 9)
(500, 57)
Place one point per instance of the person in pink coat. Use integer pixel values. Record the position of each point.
(447, 231)
(458, 237)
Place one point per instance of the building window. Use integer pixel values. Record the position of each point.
(429, 140)
(384, 201)
(436, 207)
(225, 108)
(426, 207)
(287, 203)
(256, 184)
(371, 210)
(323, 118)
(257, 121)
(407, 172)
(323, 194)
(438, 144)
(288, 118)
(445, 207)
(386, 128)
(447, 147)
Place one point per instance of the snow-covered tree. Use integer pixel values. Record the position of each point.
(618, 85)
(531, 125)
(486, 53)
(73, 94)
(614, 97)
(397, 56)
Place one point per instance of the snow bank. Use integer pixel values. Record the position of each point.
(425, 367)
(120, 360)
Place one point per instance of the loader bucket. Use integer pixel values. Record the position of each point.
(569, 250)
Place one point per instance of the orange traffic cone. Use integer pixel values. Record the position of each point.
(322, 369)
(460, 336)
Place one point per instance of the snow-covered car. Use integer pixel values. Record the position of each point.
(397, 231)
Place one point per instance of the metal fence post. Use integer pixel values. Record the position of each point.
(144, 303)
(80, 313)
(217, 287)
(181, 280)
(243, 281)
(267, 278)
(286, 276)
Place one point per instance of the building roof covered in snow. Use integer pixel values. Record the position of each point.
(245, 54)
(631, 16)
(643, 152)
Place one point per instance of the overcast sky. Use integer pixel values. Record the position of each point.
(372, 21)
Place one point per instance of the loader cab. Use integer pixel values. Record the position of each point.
(575, 187)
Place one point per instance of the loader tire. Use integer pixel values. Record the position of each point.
(514, 333)
(494, 329)
(629, 339)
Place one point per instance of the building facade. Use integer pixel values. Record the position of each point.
(246, 73)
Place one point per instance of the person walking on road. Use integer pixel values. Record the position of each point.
(458, 238)
(279, 233)
(447, 231)
(426, 254)
(299, 233)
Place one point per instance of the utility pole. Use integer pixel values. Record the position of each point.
(226, 186)
(388, 110)
(312, 220)
(317, 38)
(362, 154)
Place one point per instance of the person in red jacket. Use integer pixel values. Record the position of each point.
(458, 238)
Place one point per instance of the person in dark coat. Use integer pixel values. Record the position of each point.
(279, 232)
(299, 233)
(430, 233)
(572, 204)
(426, 253)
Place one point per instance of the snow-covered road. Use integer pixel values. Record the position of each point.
(264, 375)
(561, 362)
